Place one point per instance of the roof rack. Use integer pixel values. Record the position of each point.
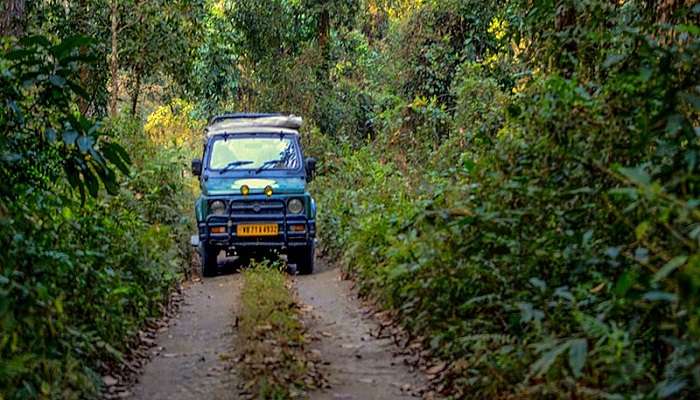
(253, 122)
(224, 116)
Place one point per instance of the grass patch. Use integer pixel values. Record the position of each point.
(273, 338)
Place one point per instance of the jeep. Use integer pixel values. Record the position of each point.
(254, 200)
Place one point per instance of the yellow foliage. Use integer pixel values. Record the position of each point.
(218, 8)
(400, 9)
(498, 28)
(174, 124)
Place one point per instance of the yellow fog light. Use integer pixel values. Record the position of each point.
(217, 229)
(245, 190)
(268, 191)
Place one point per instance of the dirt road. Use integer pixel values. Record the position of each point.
(361, 367)
(191, 354)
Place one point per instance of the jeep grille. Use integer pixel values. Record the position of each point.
(257, 207)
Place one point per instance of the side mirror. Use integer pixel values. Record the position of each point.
(310, 166)
(197, 167)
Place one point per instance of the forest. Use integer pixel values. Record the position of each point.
(516, 181)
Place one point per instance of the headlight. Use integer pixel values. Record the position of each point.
(295, 206)
(217, 207)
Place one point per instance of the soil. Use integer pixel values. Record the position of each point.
(191, 360)
(361, 367)
(192, 357)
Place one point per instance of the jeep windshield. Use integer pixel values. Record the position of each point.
(256, 153)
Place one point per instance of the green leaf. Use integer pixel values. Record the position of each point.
(109, 180)
(692, 100)
(85, 143)
(35, 40)
(564, 293)
(629, 192)
(50, 134)
(70, 136)
(122, 153)
(67, 45)
(17, 111)
(542, 366)
(612, 59)
(625, 282)
(538, 283)
(526, 312)
(111, 153)
(587, 236)
(674, 123)
(669, 388)
(657, 295)
(593, 326)
(669, 267)
(578, 351)
(73, 177)
(637, 175)
(18, 54)
(77, 89)
(692, 29)
(641, 230)
(57, 80)
(91, 182)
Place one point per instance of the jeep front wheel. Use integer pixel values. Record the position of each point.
(303, 258)
(207, 257)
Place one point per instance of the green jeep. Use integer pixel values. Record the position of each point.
(254, 201)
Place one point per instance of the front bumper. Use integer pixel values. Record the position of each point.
(278, 215)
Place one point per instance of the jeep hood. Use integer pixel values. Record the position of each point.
(232, 185)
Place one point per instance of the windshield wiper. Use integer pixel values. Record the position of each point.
(267, 164)
(234, 164)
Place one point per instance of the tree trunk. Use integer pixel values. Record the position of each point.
(12, 17)
(324, 32)
(324, 28)
(114, 61)
(137, 91)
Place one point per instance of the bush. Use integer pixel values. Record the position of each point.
(79, 275)
(78, 281)
(548, 247)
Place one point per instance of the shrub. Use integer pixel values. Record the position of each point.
(79, 275)
(549, 250)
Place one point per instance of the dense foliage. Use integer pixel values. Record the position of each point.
(518, 180)
(88, 253)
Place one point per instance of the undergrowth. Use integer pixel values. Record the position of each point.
(274, 360)
(538, 225)
(94, 228)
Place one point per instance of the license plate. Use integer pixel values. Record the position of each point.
(257, 230)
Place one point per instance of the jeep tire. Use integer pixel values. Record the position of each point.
(303, 258)
(207, 257)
